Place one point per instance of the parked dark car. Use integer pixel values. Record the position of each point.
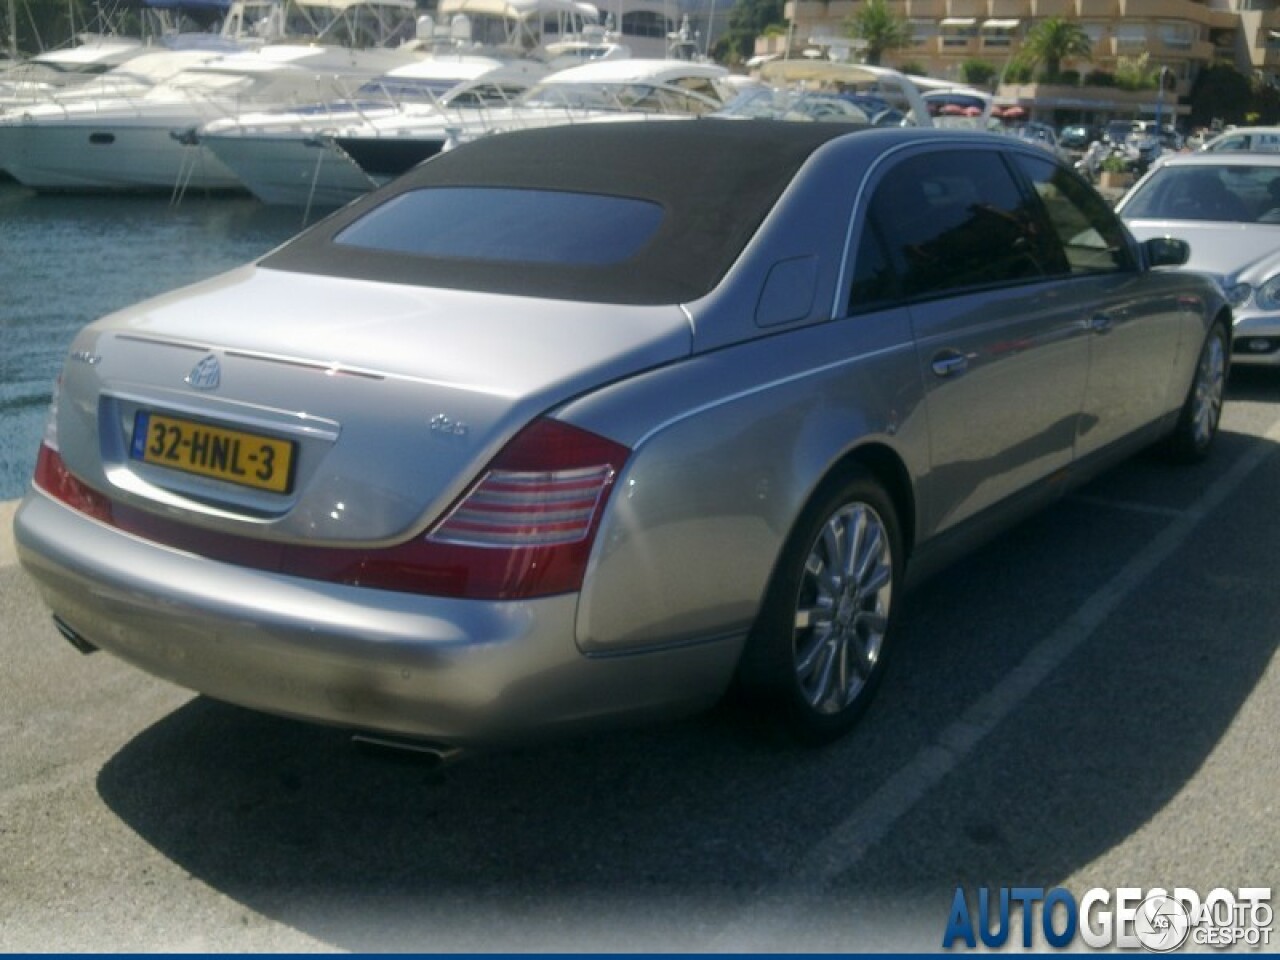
(1076, 136)
(1118, 131)
(599, 422)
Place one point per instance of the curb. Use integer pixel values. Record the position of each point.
(8, 553)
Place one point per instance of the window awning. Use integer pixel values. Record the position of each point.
(959, 21)
(1000, 24)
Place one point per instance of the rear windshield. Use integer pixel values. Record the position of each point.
(631, 212)
(508, 225)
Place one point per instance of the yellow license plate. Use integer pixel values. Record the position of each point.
(247, 459)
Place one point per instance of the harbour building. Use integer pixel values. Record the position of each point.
(1179, 39)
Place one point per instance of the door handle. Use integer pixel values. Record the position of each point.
(949, 363)
(1101, 323)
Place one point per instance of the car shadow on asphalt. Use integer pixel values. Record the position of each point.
(650, 838)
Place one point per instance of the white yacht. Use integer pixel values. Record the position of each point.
(283, 158)
(570, 32)
(26, 81)
(902, 99)
(597, 42)
(147, 142)
(956, 105)
(134, 77)
(101, 64)
(519, 27)
(605, 89)
(647, 29)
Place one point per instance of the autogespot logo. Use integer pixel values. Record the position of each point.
(1126, 918)
(1162, 923)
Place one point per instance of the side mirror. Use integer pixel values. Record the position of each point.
(1166, 252)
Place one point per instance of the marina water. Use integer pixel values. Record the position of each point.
(66, 260)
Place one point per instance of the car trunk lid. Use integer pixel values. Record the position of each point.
(308, 409)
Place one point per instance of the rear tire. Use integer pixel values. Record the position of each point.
(1197, 425)
(816, 654)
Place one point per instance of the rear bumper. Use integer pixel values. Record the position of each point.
(452, 671)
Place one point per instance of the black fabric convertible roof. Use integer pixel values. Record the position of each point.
(715, 180)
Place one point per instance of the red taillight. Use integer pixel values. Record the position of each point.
(53, 477)
(523, 530)
(542, 490)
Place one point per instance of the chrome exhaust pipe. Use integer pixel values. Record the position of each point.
(437, 755)
(73, 638)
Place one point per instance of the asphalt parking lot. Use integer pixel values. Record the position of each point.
(1090, 701)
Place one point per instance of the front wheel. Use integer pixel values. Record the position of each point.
(1201, 412)
(817, 651)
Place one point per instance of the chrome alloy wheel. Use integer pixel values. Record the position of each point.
(1209, 390)
(842, 610)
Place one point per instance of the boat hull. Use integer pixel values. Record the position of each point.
(109, 157)
(298, 170)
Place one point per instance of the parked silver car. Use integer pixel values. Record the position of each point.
(603, 421)
(1227, 208)
(1257, 139)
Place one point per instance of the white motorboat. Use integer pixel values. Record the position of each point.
(111, 65)
(520, 27)
(283, 158)
(147, 142)
(645, 27)
(292, 158)
(957, 105)
(386, 147)
(597, 42)
(901, 97)
(26, 81)
(131, 78)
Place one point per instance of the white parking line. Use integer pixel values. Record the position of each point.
(8, 555)
(778, 907)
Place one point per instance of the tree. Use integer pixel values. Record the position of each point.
(52, 24)
(977, 72)
(1053, 40)
(1266, 102)
(1136, 73)
(43, 24)
(1220, 92)
(747, 20)
(876, 24)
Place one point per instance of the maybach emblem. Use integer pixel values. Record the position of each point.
(206, 375)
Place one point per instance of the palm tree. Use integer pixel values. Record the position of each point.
(875, 23)
(1053, 40)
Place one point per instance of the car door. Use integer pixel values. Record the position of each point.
(1135, 318)
(999, 344)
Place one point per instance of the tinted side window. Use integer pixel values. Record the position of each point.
(874, 282)
(1090, 232)
(956, 219)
